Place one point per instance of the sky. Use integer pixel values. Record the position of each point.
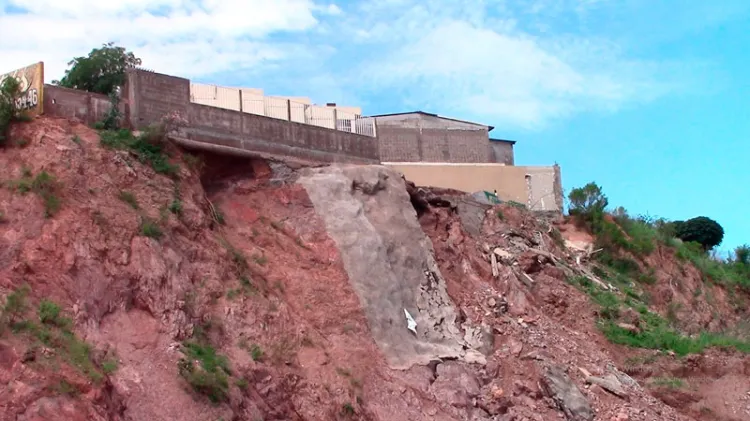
(649, 99)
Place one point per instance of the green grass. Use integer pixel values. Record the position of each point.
(53, 331)
(109, 366)
(347, 409)
(148, 149)
(655, 332)
(176, 207)
(151, 229)
(128, 198)
(44, 185)
(668, 382)
(256, 353)
(211, 378)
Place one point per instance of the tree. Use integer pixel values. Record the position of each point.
(587, 200)
(101, 72)
(702, 230)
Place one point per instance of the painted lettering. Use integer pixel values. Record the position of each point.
(27, 100)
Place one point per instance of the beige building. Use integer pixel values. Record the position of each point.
(290, 108)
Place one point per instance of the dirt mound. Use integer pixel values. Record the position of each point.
(210, 287)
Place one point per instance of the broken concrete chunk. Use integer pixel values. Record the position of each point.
(505, 256)
(609, 383)
(567, 396)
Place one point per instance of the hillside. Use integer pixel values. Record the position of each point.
(144, 282)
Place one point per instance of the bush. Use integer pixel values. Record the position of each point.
(8, 113)
(150, 229)
(702, 230)
(210, 376)
(45, 186)
(148, 147)
(49, 312)
(587, 202)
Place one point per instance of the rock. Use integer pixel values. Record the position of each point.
(629, 327)
(566, 395)
(454, 385)
(609, 383)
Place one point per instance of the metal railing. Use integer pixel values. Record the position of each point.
(252, 101)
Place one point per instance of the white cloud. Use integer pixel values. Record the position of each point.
(502, 69)
(521, 63)
(172, 36)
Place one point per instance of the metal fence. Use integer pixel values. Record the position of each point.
(252, 101)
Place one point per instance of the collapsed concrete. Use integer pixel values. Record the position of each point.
(390, 263)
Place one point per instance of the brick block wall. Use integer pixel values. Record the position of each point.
(399, 144)
(502, 152)
(419, 138)
(455, 145)
(72, 103)
(148, 96)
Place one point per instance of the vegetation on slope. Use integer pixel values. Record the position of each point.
(624, 242)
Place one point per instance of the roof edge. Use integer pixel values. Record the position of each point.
(512, 142)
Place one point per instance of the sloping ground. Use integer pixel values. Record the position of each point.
(299, 279)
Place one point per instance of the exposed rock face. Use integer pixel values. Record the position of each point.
(390, 262)
(303, 288)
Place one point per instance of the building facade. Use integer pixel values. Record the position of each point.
(423, 137)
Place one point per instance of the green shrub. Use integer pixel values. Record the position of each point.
(49, 312)
(9, 91)
(150, 229)
(176, 207)
(15, 305)
(128, 198)
(147, 147)
(211, 376)
(256, 353)
(46, 186)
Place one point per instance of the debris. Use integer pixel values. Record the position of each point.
(410, 323)
(609, 383)
(505, 256)
(557, 385)
(495, 271)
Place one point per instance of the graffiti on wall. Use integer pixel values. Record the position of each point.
(31, 80)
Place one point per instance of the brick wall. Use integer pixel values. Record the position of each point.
(399, 144)
(148, 96)
(424, 138)
(71, 103)
(502, 152)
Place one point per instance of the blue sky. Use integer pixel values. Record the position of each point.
(648, 99)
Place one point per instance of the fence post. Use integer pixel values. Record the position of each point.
(335, 120)
(240, 90)
(289, 110)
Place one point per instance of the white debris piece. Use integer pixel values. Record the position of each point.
(410, 323)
